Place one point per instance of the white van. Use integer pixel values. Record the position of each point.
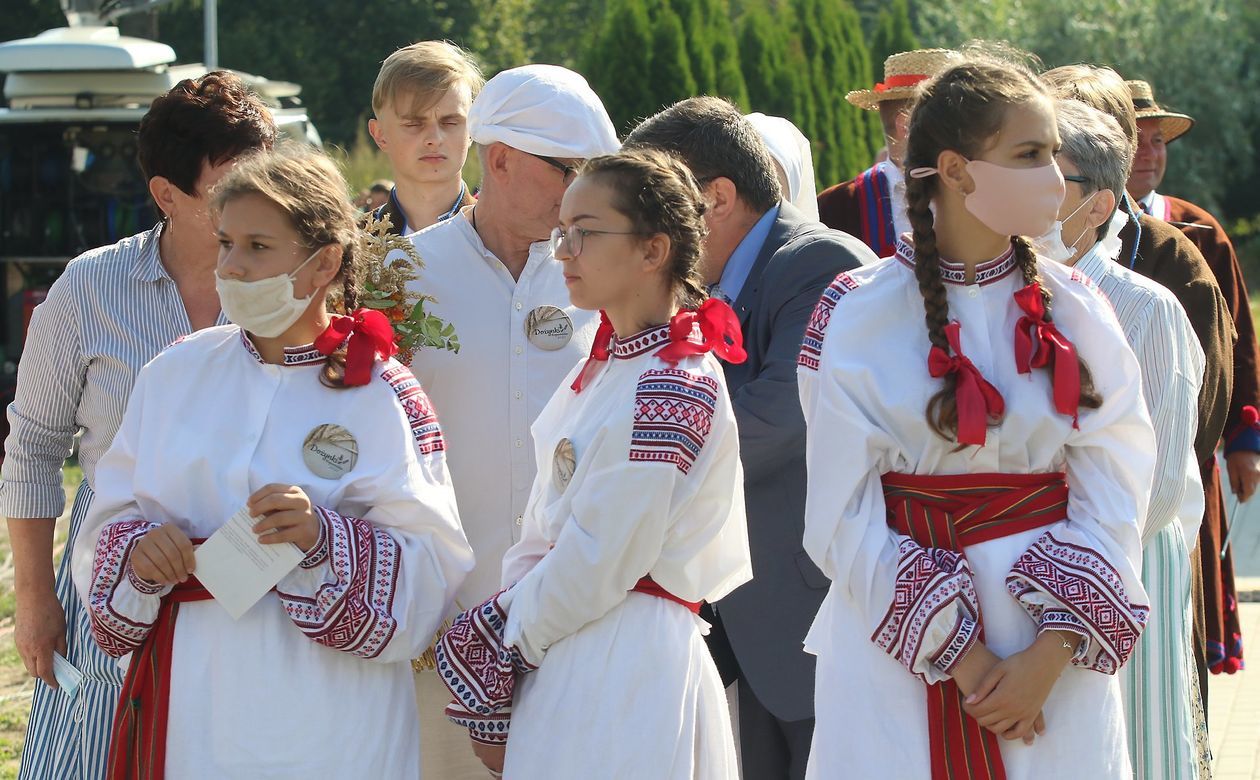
(69, 180)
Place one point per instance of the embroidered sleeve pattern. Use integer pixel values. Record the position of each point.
(816, 329)
(934, 618)
(673, 414)
(116, 633)
(354, 612)
(480, 671)
(1071, 588)
(424, 421)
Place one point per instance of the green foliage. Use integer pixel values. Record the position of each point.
(765, 48)
(893, 34)
(835, 61)
(618, 63)
(1198, 54)
(670, 69)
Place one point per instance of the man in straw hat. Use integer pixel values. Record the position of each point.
(872, 206)
(495, 278)
(1158, 127)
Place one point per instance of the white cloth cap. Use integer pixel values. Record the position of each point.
(790, 148)
(545, 110)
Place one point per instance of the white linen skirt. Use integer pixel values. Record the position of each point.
(633, 694)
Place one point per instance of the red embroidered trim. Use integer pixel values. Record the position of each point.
(673, 415)
(816, 330)
(355, 613)
(420, 412)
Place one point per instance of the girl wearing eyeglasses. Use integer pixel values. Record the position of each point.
(635, 517)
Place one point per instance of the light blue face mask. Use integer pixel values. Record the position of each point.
(265, 307)
(1050, 245)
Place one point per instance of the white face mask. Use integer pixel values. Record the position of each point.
(1050, 245)
(265, 307)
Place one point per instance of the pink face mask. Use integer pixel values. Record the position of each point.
(1012, 201)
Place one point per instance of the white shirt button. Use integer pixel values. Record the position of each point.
(519, 442)
(518, 305)
(519, 520)
(519, 350)
(518, 393)
(972, 292)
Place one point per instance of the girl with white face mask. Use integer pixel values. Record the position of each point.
(302, 419)
(975, 491)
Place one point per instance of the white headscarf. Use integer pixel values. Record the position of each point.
(545, 110)
(790, 148)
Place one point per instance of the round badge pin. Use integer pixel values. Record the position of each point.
(564, 464)
(330, 451)
(548, 327)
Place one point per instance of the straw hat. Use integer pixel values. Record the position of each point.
(902, 74)
(1171, 124)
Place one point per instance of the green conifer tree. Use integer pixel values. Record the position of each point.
(619, 63)
(670, 74)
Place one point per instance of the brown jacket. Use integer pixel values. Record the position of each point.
(1165, 255)
(1208, 235)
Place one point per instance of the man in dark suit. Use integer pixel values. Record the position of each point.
(772, 265)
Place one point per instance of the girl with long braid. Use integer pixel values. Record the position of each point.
(976, 486)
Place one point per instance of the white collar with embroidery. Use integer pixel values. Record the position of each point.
(647, 341)
(303, 355)
(956, 273)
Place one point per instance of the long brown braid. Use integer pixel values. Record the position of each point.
(962, 110)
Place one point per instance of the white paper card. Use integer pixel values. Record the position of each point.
(68, 677)
(237, 569)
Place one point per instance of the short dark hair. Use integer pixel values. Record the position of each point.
(213, 118)
(714, 139)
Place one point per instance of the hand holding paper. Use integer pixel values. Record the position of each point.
(237, 569)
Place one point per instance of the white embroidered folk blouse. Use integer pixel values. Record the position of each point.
(864, 387)
(489, 394)
(314, 679)
(656, 489)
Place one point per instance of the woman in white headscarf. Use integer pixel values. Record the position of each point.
(790, 149)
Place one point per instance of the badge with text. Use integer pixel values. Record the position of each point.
(564, 464)
(330, 451)
(548, 327)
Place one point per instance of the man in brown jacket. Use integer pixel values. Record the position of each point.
(1158, 127)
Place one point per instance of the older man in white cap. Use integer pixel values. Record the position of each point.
(496, 280)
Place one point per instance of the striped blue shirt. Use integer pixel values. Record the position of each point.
(112, 310)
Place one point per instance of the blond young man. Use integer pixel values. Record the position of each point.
(420, 104)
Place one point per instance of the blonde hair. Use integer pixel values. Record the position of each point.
(424, 71)
(307, 187)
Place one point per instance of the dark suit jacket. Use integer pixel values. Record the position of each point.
(765, 620)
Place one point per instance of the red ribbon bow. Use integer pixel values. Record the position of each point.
(371, 336)
(600, 349)
(977, 400)
(1039, 344)
(719, 333)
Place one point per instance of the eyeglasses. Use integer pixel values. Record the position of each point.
(570, 171)
(1077, 179)
(573, 236)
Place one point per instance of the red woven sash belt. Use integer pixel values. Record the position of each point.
(648, 586)
(137, 743)
(951, 512)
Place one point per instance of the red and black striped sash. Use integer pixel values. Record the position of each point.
(137, 744)
(951, 512)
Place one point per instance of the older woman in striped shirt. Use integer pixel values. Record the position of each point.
(112, 310)
(1162, 708)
